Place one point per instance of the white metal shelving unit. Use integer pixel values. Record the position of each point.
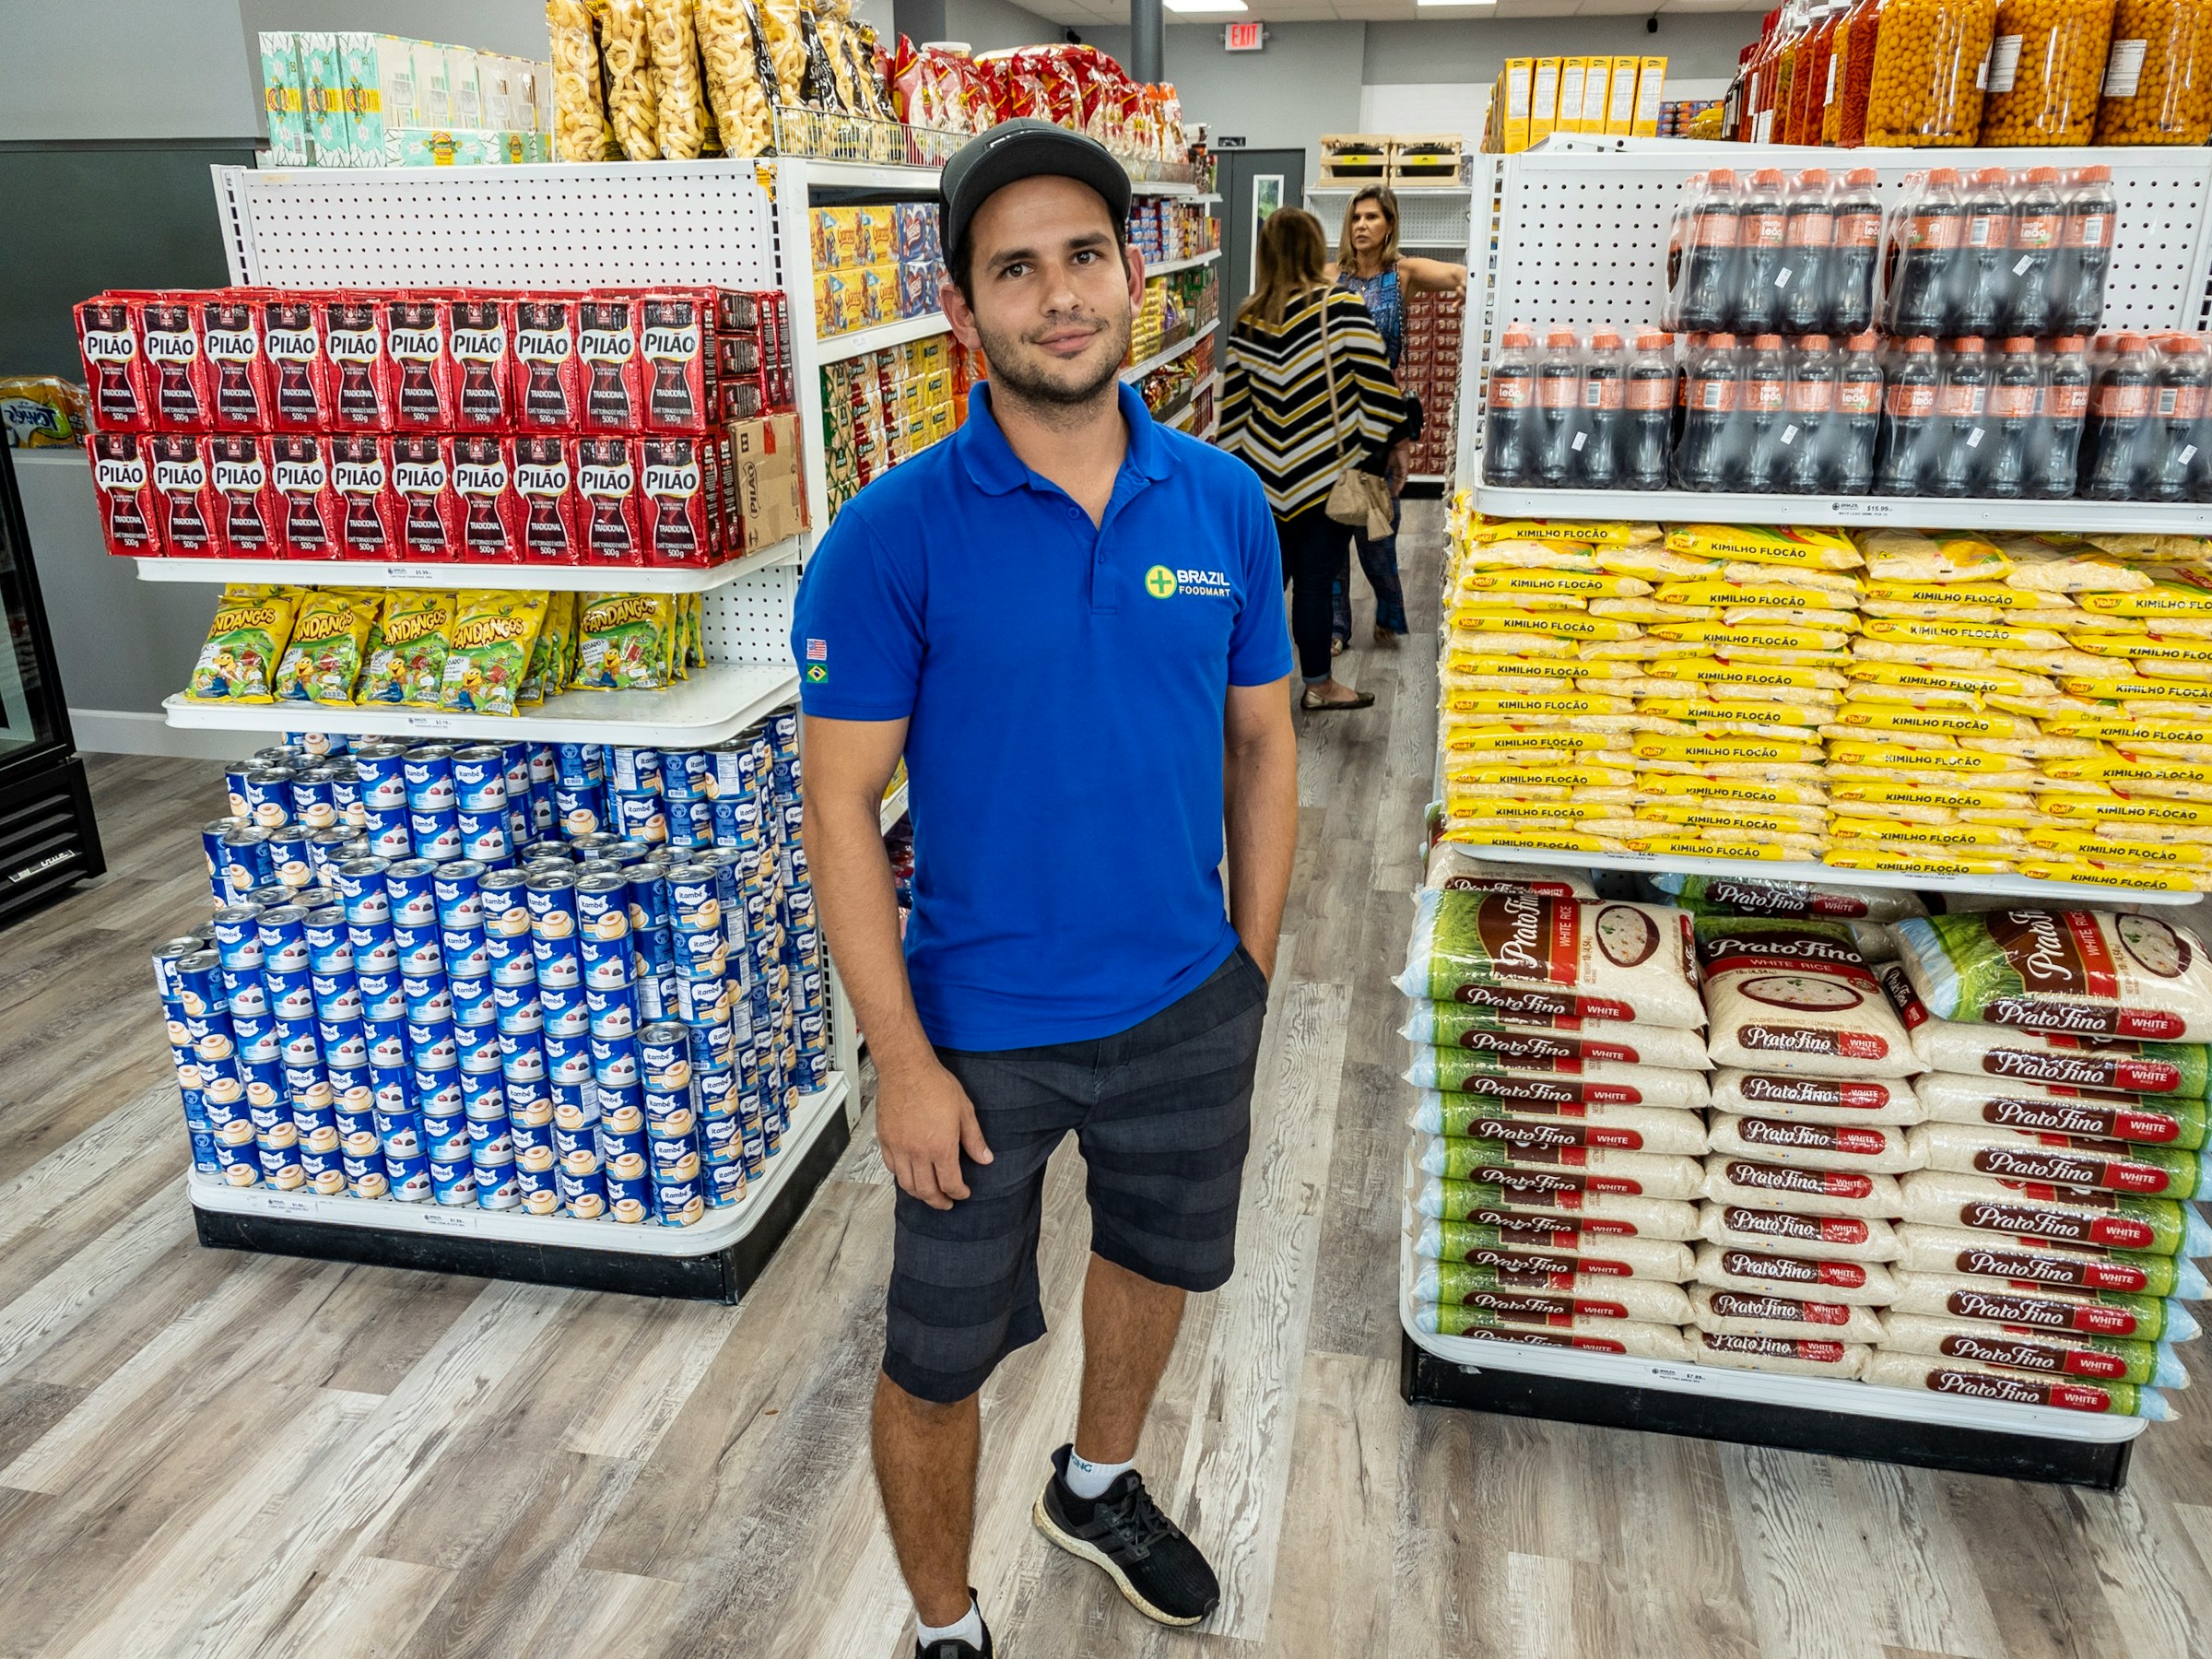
(894, 807)
(1575, 233)
(1171, 266)
(1137, 372)
(629, 579)
(859, 342)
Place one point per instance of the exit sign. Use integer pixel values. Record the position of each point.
(1243, 37)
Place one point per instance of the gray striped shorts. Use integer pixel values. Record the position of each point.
(1162, 1114)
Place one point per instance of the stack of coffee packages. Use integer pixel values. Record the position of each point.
(2044, 1258)
(1560, 1071)
(1812, 1108)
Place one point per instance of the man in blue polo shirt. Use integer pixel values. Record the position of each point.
(1070, 620)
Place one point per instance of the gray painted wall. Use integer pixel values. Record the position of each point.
(160, 69)
(997, 25)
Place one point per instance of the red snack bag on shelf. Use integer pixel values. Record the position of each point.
(190, 510)
(678, 346)
(178, 385)
(744, 398)
(482, 469)
(300, 467)
(548, 384)
(607, 351)
(418, 331)
(122, 479)
(610, 513)
(238, 366)
(737, 311)
(298, 372)
(107, 338)
(252, 520)
(360, 471)
(354, 342)
(429, 510)
(545, 481)
(482, 337)
(676, 489)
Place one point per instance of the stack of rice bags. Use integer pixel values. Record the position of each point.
(1986, 691)
(1812, 1113)
(1557, 1134)
(2043, 1257)
(1608, 688)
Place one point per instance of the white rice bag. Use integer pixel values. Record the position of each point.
(1866, 1146)
(2065, 1159)
(1593, 1214)
(1972, 1380)
(1532, 1300)
(1630, 1338)
(2054, 1058)
(2030, 1260)
(1606, 1257)
(1802, 1356)
(2044, 1307)
(2067, 1215)
(1820, 901)
(1614, 1128)
(1529, 956)
(1764, 1313)
(2043, 1353)
(1458, 868)
(1795, 997)
(1579, 1169)
(1816, 1099)
(2089, 973)
(1456, 1071)
(1557, 1045)
(1747, 1184)
(1858, 1284)
(1781, 1233)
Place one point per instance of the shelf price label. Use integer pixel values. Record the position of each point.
(1864, 507)
(448, 1220)
(291, 1204)
(411, 573)
(429, 722)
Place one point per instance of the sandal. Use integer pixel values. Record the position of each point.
(1361, 700)
(1339, 647)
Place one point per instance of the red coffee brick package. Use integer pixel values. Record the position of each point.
(238, 366)
(681, 523)
(252, 514)
(606, 348)
(360, 470)
(608, 504)
(107, 338)
(191, 512)
(122, 481)
(176, 367)
(546, 482)
(299, 466)
(679, 351)
(354, 339)
(482, 468)
(418, 331)
(482, 337)
(429, 510)
(298, 372)
(548, 388)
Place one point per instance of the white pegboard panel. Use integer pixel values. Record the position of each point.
(562, 225)
(1427, 220)
(749, 620)
(1582, 231)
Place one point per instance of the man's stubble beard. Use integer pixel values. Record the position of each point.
(1054, 401)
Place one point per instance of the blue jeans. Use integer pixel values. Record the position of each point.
(1380, 560)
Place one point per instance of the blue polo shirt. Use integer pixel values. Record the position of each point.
(1065, 688)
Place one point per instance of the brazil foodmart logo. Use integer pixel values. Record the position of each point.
(1159, 582)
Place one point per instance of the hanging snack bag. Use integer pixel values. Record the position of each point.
(624, 641)
(408, 666)
(680, 102)
(2090, 973)
(740, 75)
(632, 87)
(245, 642)
(1529, 956)
(323, 660)
(1796, 997)
(581, 131)
(487, 650)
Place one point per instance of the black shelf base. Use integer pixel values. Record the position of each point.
(717, 1275)
(1425, 1380)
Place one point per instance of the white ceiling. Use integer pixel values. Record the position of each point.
(1116, 13)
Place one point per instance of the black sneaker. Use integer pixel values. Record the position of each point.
(1141, 1550)
(951, 1648)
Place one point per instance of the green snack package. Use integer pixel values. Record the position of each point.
(246, 642)
(487, 649)
(329, 639)
(409, 665)
(550, 651)
(624, 641)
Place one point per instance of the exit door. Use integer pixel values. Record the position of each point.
(1253, 184)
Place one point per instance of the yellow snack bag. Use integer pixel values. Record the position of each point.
(325, 659)
(487, 649)
(624, 641)
(408, 666)
(1769, 545)
(245, 644)
(548, 651)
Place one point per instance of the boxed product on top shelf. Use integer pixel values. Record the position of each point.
(1165, 228)
(490, 426)
(886, 406)
(1734, 1134)
(874, 265)
(2122, 420)
(355, 100)
(465, 651)
(1538, 97)
(1925, 73)
(1950, 705)
(562, 980)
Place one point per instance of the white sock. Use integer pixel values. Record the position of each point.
(1088, 1480)
(968, 1628)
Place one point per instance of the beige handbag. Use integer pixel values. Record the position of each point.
(1359, 499)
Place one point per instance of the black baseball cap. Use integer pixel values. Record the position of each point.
(1025, 149)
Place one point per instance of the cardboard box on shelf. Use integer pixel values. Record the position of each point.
(381, 97)
(1519, 74)
(1574, 73)
(1650, 80)
(323, 92)
(771, 491)
(282, 99)
(1620, 102)
(1544, 100)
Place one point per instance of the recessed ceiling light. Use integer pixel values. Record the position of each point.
(1424, 4)
(1188, 6)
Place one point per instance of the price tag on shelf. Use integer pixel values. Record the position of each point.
(1844, 507)
(429, 722)
(410, 574)
(292, 1204)
(448, 1220)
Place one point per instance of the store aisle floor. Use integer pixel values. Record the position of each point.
(224, 1454)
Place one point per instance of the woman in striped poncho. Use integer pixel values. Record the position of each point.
(1275, 414)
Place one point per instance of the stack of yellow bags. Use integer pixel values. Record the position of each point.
(2027, 707)
(1610, 687)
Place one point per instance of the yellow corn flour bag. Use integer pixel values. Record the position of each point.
(1769, 545)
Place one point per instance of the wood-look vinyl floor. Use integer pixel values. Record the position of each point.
(211, 1453)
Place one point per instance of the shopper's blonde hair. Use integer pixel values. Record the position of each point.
(1348, 257)
(1293, 253)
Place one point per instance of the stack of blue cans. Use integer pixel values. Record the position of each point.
(443, 975)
